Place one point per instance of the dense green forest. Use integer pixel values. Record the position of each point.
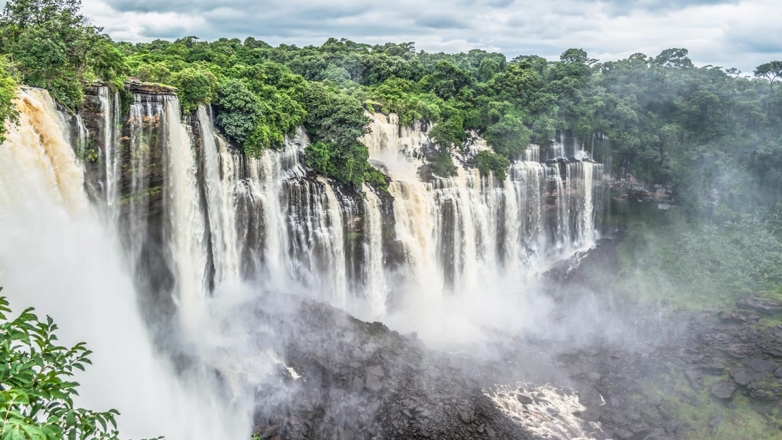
(713, 134)
(668, 121)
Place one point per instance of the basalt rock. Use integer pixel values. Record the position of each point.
(361, 380)
(723, 389)
(760, 304)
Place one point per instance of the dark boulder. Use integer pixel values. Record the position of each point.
(723, 389)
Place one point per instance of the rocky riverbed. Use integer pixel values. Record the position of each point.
(674, 374)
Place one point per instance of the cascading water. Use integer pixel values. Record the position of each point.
(220, 188)
(376, 287)
(57, 255)
(111, 123)
(195, 215)
(186, 215)
(541, 213)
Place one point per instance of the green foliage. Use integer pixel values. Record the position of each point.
(446, 135)
(197, 86)
(335, 122)
(376, 178)
(771, 71)
(36, 386)
(489, 162)
(239, 110)
(346, 163)
(668, 122)
(54, 48)
(509, 136)
(8, 89)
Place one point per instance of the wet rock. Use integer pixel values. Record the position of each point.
(135, 86)
(695, 377)
(759, 304)
(723, 389)
(591, 414)
(524, 400)
(741, 376)
(713, 367)
(762, 366)
(761, 409)
(336, 394)
(731, 317)
(377, 370)
(465, 417)
(373, 383)
(768, 390)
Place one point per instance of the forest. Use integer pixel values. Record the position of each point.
(668, 121)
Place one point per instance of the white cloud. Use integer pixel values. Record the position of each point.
(720, 32)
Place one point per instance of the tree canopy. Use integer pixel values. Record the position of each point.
(659, 118)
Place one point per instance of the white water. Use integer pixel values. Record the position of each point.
(110, 110)
(188, 244)
(376, 288)
(551, 413)
(221, 201)
(57, 255)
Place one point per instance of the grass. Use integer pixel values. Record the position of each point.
(739, 420)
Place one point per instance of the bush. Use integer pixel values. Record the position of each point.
(347, 164)
(376, 178)
(487, 162)
(36, 390)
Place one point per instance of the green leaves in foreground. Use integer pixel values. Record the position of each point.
(36, 386)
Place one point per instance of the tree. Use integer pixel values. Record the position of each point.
(239, 110)
(8, 89)
(576, 56)
(771, 71)
(36, 387)
(50, 42)
(197, 86)
(675, 58)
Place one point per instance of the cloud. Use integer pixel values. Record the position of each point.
(729, 33)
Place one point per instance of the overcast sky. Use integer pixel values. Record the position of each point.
(728, 33)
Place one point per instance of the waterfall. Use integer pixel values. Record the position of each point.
(219, 178)
(467, 226)
(37, 147)
(187, 226)
(329, 229)
(111, 122)
(376, 288)
(190, 215)
(56, 254)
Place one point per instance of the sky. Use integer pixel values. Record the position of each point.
(727, 33)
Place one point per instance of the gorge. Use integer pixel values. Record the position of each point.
(195, 218)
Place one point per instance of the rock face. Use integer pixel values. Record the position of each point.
(361, 381)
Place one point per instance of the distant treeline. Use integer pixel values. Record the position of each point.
(712, 133)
